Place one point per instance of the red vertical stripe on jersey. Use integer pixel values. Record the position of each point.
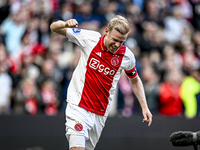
(100, 71)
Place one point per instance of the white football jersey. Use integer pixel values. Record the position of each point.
(95, 78)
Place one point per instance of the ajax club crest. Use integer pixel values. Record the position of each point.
(114, 61)
(78, 126)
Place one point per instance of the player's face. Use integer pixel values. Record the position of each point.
(113, 39)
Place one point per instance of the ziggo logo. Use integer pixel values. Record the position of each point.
(95, 64)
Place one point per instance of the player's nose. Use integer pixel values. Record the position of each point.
(117, 44)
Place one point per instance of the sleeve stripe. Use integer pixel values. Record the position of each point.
(131, 73)
(133, 76)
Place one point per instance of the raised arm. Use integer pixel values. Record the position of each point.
(60, 27)
(138, 89)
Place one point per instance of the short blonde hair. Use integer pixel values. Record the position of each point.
(120, 24)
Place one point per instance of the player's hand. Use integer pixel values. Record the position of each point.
(147, 116)
(71, 23)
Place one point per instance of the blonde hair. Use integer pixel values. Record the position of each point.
(120, 24)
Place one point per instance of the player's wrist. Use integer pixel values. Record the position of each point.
(61, 25)
(65, 24)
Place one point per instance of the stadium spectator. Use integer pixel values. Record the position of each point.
(50, 72)
(153, 13)
(43, 32)
(84, 14)
(49, 98)
(151, 86)
(27, 99)
(188, 57)
(66, 11)
(174, 25)
(150, 31)
(172, 60)
(6, 89)
(111, 10)
(13, 29)
(5, 59)
(190, 90)
(24, 55)
(170, 103)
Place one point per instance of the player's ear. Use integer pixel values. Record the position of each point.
(106, 31)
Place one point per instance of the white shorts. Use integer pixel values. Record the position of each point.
(83, 128)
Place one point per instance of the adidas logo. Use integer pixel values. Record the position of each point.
(99, 54)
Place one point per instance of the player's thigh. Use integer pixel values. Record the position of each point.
(76, 121)
(76, 128)
(95, 132)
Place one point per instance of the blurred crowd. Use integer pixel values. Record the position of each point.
(36, 65)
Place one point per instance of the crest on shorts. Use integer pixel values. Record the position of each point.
(78, 126)
(114, 61)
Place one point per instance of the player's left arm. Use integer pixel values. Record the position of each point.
(138, 89)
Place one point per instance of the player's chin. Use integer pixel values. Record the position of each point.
(111, 49)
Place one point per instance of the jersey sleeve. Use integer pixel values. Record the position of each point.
(81, 36)
(130, 69)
